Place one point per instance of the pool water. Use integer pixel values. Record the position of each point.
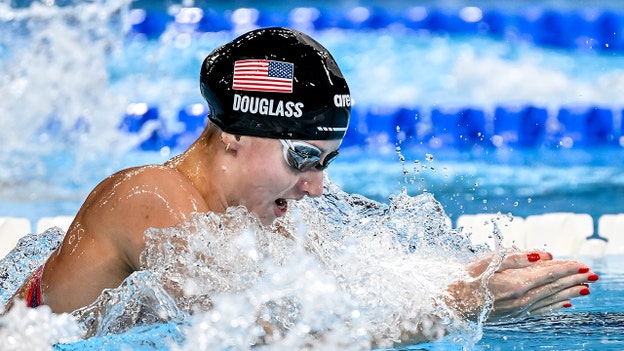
(68, 137)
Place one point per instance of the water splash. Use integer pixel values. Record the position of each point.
(30, 252)
(25, 328)
(340, 272)
(59, 113)
(139, 302)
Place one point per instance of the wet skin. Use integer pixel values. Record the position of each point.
(104, 242)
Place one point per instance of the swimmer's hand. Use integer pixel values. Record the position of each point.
(526, 284)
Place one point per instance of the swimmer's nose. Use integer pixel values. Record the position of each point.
(312, 183)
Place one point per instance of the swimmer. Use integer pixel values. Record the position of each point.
(279, 108)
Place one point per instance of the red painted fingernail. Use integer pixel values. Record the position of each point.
(533, 256)
(567, 305)
(592, 277)
(584, 291)
(583, 270)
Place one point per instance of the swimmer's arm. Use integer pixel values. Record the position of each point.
(526, 284)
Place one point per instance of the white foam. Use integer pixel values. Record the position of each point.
(24, 328)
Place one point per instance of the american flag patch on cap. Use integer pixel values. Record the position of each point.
(263, 75)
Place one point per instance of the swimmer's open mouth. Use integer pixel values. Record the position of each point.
(282, 204)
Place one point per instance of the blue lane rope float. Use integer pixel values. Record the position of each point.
(463, 128)
(585, 29)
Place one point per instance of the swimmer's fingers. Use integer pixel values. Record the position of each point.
(555, 295)
(551, 308)
(556, 301)
(555, 290)
(547, 277)
(524, 259)
(522, 314)
(519, 283)
(512, 261)
(516, 283)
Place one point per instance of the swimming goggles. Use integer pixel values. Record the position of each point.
(302, 156)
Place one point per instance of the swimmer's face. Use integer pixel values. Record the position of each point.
(281, 171)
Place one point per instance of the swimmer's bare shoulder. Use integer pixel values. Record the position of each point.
(103, 244)
(127, 203)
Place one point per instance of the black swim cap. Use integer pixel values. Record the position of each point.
(276, 83)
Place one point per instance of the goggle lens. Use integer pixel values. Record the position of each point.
(302, 156)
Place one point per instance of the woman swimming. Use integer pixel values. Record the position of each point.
(279, 108)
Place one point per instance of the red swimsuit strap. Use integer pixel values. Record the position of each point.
(34, 293)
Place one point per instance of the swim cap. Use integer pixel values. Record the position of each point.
(276, 83)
